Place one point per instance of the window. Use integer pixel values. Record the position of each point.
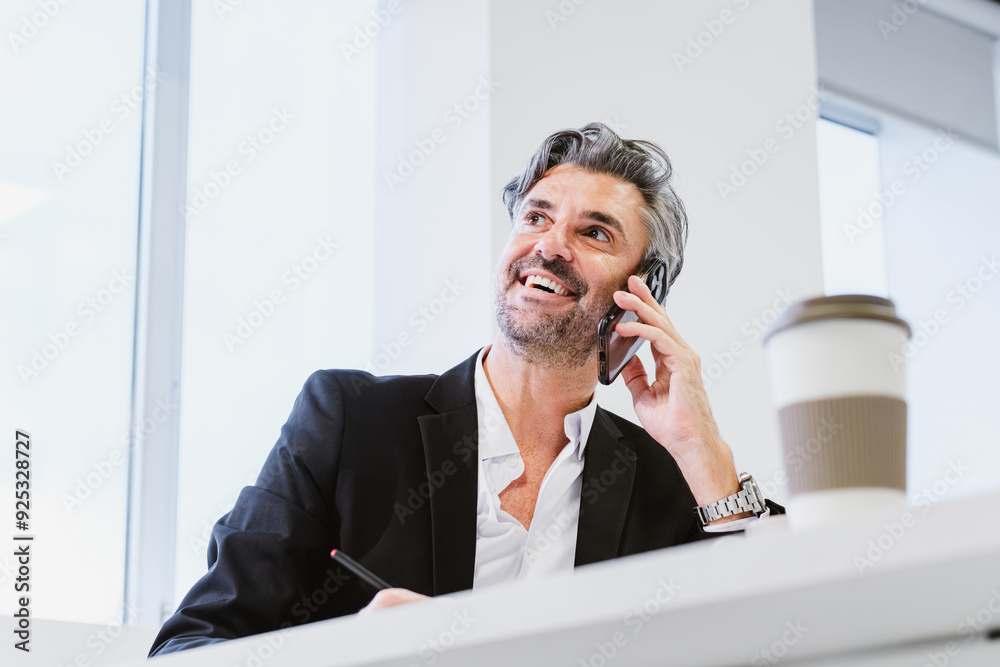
(852, 205)
(68, 202)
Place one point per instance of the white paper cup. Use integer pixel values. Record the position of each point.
(841, 405)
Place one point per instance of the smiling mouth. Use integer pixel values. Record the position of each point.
(545, 285)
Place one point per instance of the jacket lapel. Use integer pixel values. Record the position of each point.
(451, 451)
(608, 474)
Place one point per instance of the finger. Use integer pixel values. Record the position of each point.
(640, 289)
(641, 310)
(669, 356)
(634, 375)
(649, 314)
(661, 342)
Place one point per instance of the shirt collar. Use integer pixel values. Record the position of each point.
(495, 438)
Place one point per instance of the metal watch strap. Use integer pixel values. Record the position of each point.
(747, 499)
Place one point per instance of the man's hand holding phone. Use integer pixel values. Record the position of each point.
(673, 408)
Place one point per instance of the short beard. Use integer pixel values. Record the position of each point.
(563, 342)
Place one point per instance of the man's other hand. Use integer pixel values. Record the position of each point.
(390, 597)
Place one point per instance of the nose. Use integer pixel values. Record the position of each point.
(555, 243)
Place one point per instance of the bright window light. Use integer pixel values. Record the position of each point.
(852, 207)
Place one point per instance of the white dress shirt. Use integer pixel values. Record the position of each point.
(505, 551)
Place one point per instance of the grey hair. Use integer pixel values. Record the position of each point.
(597, 148)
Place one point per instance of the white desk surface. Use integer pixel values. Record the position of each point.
(735, 597)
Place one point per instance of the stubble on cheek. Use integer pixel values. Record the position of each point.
(563, 340)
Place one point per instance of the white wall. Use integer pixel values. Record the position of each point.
(432, 305)
(942, 238)
(615, 62)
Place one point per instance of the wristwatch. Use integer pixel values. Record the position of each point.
(747, 499)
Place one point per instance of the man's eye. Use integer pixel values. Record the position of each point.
(534, 219)
(598, 233)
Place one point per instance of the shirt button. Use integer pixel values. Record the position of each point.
(512, 460)
(491, 487)
(530, 548)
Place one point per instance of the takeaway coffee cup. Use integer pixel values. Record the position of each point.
(838, 384)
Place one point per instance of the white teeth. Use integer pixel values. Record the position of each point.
(545, 282)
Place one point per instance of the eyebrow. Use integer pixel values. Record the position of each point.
(597, 216)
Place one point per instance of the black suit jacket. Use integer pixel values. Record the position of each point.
(385, 468)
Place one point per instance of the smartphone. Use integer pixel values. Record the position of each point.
(614, 351)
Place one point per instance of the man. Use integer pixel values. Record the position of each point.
(504, 467)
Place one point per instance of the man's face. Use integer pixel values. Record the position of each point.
(583, 231)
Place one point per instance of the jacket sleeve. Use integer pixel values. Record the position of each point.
(268, 556)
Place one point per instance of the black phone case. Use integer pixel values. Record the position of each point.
(614, 351)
